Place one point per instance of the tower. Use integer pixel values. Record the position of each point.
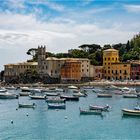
(41, 57)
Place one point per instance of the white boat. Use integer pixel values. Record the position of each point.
(131, 112)
(24, 93)
(25, 89)
(11, 88)
(7, 95)
(102, 108)
(130, 96)
(2, 90)
(79, 94)
(37, 97)
(72, 87)
(33, 105)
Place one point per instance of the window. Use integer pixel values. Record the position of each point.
(109, 71)
(105, 58)
(120, 71)
(112, 71)
(108, 58)
(108, 67)
(113, 58)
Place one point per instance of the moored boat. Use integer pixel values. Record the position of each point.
(131, 112)
(104, 95)
(56, 106)
(52, 94)
(79, 94)
(90, 112)
(38, 97)
(7, 95)
(70, 98)
(25, 89)
(33, 105)
(55, 100)
(24, 93)
(130, 96)
(102, 108)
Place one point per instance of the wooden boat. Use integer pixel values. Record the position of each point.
(130, 96)
(26, 105)
(70, 98)
(39, 97)
(131, 112)
(104, 95)
(56, 106)
(55, 100)
(102, 108)
(90, 112)
(7, 95)
(24, 93)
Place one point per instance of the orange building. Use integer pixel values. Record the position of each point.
(71, 71)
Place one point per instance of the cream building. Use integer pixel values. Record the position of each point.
(52, 66)
(13, 70)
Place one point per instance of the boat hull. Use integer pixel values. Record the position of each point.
(56, 106)
(131, 112)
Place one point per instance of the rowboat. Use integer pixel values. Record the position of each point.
(69, 98)
(90, 112)
(56, 106)
(37, 97)
(55, 100)
(104, 95)
(130, 96)
(102, 108)
(131, 112)
(26, 105)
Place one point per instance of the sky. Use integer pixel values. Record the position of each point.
(63, 24)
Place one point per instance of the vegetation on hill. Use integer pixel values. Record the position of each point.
(128, 51)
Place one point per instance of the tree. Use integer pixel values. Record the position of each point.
(33, 53)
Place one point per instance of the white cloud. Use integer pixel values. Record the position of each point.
(132, 8)
(18, 33)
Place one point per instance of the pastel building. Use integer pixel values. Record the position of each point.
(113, 68)
(51, 66)
(135, 70)
(71, 71)
(14, 70)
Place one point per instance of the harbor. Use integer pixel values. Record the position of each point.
(44, 123)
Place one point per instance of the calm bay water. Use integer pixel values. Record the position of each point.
(44, 124)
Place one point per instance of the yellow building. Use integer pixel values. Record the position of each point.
(120, 71)
(113, 69)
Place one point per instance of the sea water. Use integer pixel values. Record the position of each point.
(43, 124)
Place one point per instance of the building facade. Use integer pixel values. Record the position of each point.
(135, 70)
(14, 70)
(120, 71)
(71, 71)
(113, 68)
(51, 66)
(109, 56)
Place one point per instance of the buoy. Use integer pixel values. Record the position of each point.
(27, 114)
(66, 117)
(11, 121)
(16, 109)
